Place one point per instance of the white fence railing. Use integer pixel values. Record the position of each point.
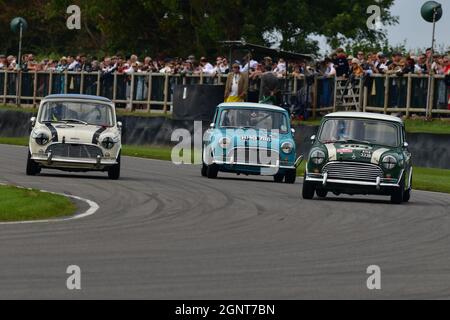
(152, 92)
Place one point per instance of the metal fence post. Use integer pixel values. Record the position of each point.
(166, 92)
(408, 94)
(66, 78)
(115, 86)
(149, 92)
(130, 105)
(315, 97)
(19, 88)
(99, 75)
(35, 88)
(82, 82)
(50, 82)
(5, 86)
(386, 93)
(432, 88)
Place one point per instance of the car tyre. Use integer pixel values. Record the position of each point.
(397, 196)
(212, 171)
(308, 190)
(321, 193)
(204, 170)
(32, 167)
(291, 176)
(114, 171)
(278, 178)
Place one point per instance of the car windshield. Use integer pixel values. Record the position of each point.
(77, 112)
(360, 131)
(241, 118)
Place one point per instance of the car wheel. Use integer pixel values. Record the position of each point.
(321, 193)
(114, 171)
(212, 171)
(407, 194)
(291, 176)
(278, 178)
(308, 190)
(32, 167)
(397, 195)
(204, 170)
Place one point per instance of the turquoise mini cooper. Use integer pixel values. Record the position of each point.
(251, 139)
(359, 153)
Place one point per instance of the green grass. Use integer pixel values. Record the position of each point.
(34, 205)
(437, 180)
(437, 126)
(21, 141)
(423, 126)
(428, 179)
(148, 152)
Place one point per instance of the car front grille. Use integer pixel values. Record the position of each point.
(254, 156)
(67, 150)
(353, 171)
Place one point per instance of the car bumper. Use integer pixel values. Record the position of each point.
(61, 162)
(231, 163)
(325, 182)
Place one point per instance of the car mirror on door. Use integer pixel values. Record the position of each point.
(313, 139)
(33, 122)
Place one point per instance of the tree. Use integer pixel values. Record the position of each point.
(181, 27)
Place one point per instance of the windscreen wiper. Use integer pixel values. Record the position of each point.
(75, 120)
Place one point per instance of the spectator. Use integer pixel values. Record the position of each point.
(356, 69)
(341, 64)
(3, 62)
(421, 66)
(237, 85)
(269, 87)
(206, 67)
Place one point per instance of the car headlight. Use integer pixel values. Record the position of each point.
(287, 147)
(41, 138)
(389, 162)
(108, 143)
(317, 157)
(224, 142)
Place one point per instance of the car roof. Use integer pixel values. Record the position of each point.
(364, 115)
(77, 97)
(251, 105)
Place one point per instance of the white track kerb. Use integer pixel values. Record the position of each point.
(93, 208)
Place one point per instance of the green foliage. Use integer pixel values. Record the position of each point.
(179, 28)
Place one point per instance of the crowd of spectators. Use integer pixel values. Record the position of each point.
(342, 65)
(338, 64)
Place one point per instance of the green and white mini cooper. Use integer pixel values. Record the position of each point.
(359, 153)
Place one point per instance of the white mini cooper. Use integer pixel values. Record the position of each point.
(76, 133)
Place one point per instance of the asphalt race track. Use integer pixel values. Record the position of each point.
(164, 232)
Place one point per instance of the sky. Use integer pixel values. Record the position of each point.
(416, 31)
(412, 29)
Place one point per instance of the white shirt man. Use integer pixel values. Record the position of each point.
(235, 85)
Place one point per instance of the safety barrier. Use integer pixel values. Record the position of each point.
(152, 92)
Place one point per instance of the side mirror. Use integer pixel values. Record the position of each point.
(405, 145)
(293, 131)
(313, 139)
(33, 121)
(212, 125)
(119, 125)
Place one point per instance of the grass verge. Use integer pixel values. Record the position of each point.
(426, 179)
(34, 205)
